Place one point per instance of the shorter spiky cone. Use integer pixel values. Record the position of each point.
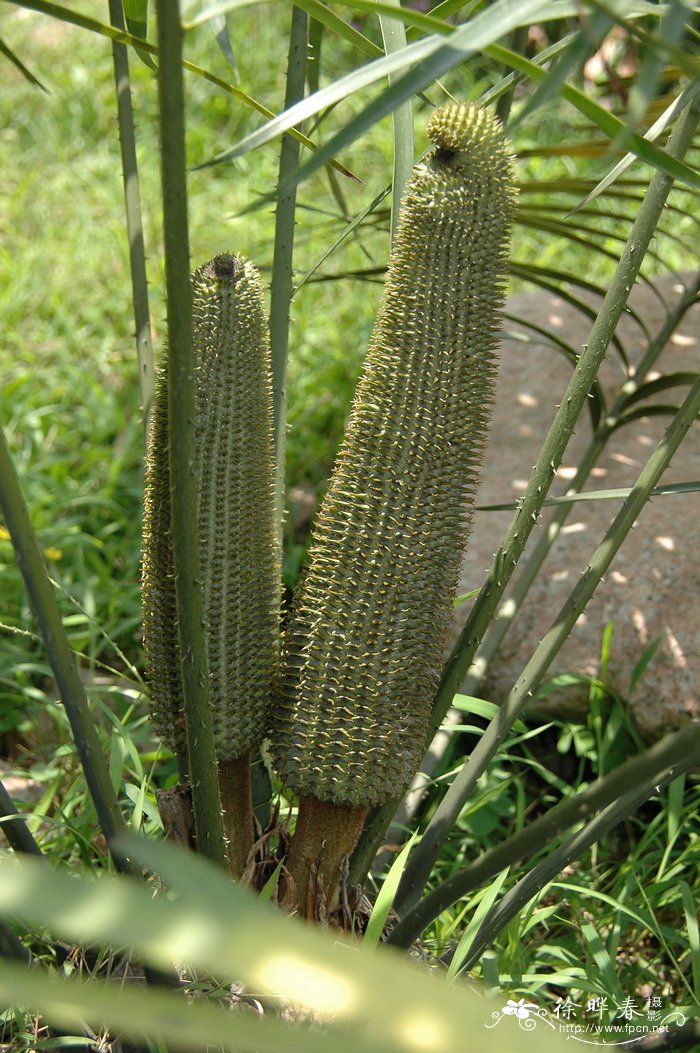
(234, 521)
(364, 648)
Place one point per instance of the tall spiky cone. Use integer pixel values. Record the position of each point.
(363, 652)
(238, 538)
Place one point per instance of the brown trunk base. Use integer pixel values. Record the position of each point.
(237, 805)
(324, 837)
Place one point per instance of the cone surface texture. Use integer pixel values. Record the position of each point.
(235, 519)
(364, 648)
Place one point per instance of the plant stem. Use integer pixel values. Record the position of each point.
(206, 802)
(518, 533)
(61, 657)
(12, 947)
(15, 828)
(134, 226)
(65, 670)
(394, 37)
(670, 751)
(237, 804)
(518, 43)
(282, 274)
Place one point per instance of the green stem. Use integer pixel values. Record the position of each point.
(518, 533)
(12, 947)
(206, 802)
(132, 201)
(518, 43)
(394, 37)
(14, 827)
(61, 657)
(536, 835)
(65, 670)
(281, 283)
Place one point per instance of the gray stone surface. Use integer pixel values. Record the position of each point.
(652, 590)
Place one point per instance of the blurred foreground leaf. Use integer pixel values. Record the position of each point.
(208, 923)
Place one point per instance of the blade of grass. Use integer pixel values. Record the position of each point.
(644, 87)
(603, 962)
(674, 821)
(518, 42)
(653, 42)
(690, 909)
(385, 897)
(555, 282)
(518, 532)
(346, 232)
(211, 923)
(616, 493)
(669, 950)
(322, 14)
(156, 1016)
(17, 62)
(612, 126)
(136, 14)
(134, 226)
(485, 904)
(221, 35)
(588, 38)
(181, 409)
(316, 35)
(541, 832)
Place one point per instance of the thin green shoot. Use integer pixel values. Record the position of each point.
(385, 896)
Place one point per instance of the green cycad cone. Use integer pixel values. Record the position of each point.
(364, 648)
(235, 519)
